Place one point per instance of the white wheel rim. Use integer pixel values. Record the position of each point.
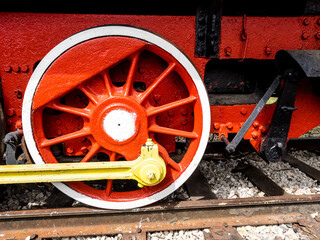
(125, 31)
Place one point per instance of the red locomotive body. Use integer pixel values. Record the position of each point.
(85, 76)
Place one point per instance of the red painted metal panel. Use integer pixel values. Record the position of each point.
(261, 37)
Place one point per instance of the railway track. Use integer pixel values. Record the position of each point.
(203, 210)
(220, 216)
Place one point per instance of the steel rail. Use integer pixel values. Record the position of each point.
(46, 223)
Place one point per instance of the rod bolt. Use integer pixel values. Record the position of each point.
(150, 175)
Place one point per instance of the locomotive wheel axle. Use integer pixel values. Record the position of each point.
(148, 169)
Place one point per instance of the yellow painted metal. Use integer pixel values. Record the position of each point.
(148, 169)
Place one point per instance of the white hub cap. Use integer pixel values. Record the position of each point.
(120, 124)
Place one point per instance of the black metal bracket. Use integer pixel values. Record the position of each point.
(273, 146)
(208, 23)
(231, 147)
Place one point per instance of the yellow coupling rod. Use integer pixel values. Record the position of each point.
(148, 169)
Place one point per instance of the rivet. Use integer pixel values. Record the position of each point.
(267, 50)
(170, 113)
(24, 68)
(7, 68)
(59, 132)
(229, 125)
(304, 36)
(184, 111)
(306, 21)
(228, 51)
(58, 122)
(157, 98)
(11, 112)
(15, 68)
(243, 111)
(184, 122)
(216, 126)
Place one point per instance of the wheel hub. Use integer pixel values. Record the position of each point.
(120, 124)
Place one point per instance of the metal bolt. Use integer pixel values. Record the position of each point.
(263, 129)
(150, 175)
(229, 125)
(59, 132)
(255, 135)
(69, 150)
(184, 111)
(7, 68)
(267, 50)
(318, 35)
(228, 51)
(304, 36)
(84, 149)
(216, 126)
(15, 68)
(24, 68)
(306, 21)
(255, 124)
(157, 98)
(184, 122)
(18, 124)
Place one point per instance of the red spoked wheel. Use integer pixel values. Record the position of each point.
(99, 95)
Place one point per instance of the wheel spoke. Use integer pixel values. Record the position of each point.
(154, 85)
(168, 159)
(81, 133)
(92, 97)
(156, 110)
(157, 129)
(107, 83)
(93, 151)
(69, 109)
(108, 189)
(133, 68)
